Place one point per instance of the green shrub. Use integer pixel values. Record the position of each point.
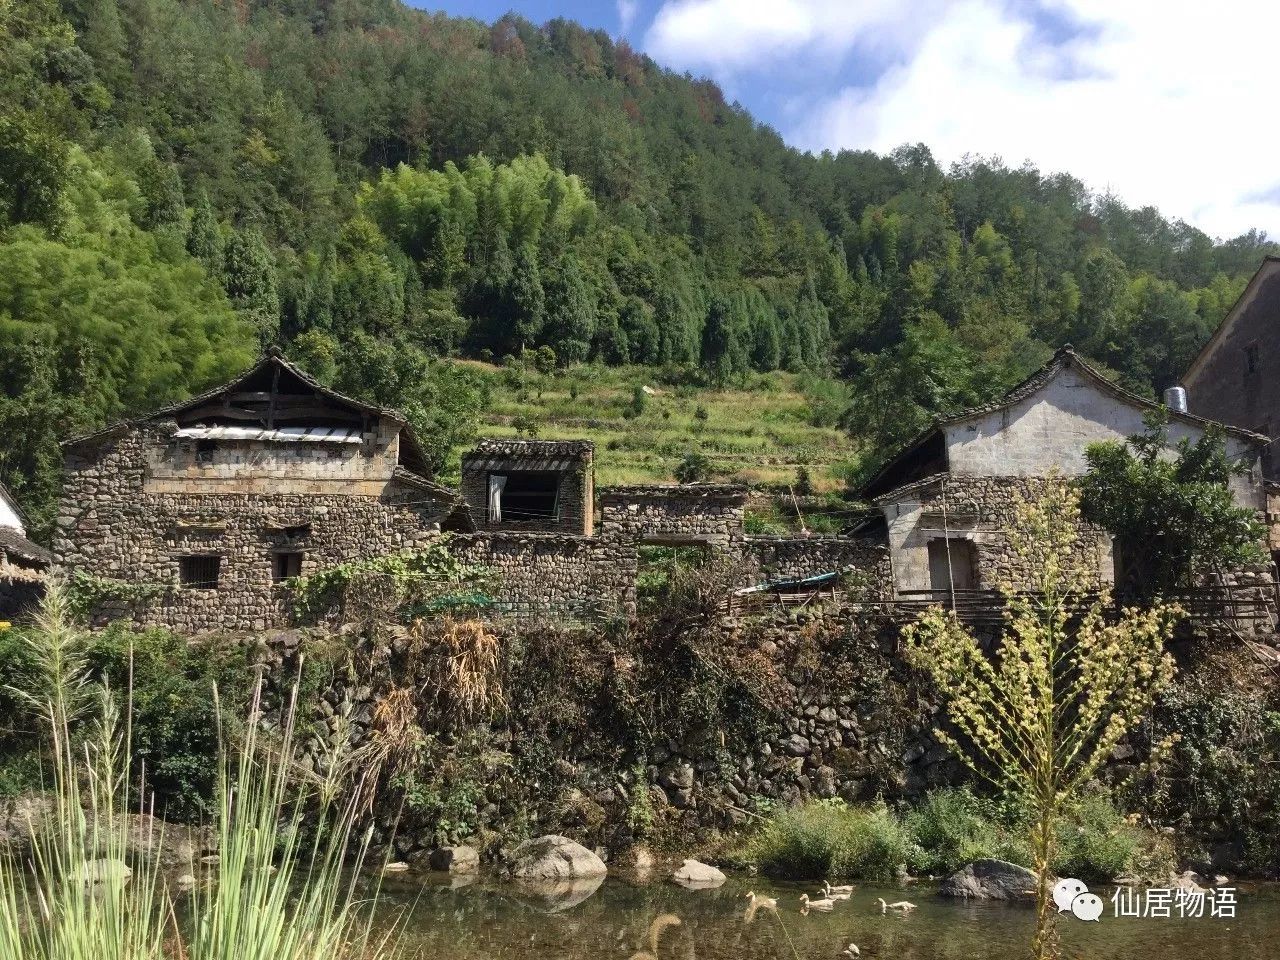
(174, 732)
(1095, 843)
(826, 838)
(693, 468)
(953, 827)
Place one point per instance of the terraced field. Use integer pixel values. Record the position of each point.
(645, 423)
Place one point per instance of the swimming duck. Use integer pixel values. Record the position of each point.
(806, 904)
(902, 906)
(755, 903)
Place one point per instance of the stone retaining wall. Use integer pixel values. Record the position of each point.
(549, 573)
(837, 714)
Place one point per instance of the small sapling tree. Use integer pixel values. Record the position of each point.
(1039, 715)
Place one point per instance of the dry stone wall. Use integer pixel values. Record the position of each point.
(549, 574)
(827, 708)
(570, 460)
(767, 558)
(111, 527)
(707, 513)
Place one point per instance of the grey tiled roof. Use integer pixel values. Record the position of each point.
(15, 545)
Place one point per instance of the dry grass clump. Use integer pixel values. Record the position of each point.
(463, 666)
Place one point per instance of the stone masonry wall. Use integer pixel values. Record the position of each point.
(574, 503)
(829, 709)
(110, 527)
(782, 558)
(549, 574)
(695, 513)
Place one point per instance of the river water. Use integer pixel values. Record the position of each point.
(494, 919)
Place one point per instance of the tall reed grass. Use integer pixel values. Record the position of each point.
(285, 885)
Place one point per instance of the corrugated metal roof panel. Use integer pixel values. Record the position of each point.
(282, 435)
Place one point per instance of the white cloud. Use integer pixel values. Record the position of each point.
(724, 36)
(1163, 103)
(627, 10)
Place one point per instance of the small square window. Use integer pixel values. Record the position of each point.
(285, 566)
(199, 572)
(1251, 358)
(204, 450)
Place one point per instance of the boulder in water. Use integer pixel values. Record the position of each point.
(990, 879)
(555, 858)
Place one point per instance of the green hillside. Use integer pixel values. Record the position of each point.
(386, 192)
(761, 432)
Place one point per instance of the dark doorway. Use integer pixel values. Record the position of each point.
(952, 565)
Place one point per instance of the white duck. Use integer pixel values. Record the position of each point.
(755, 903)
(851, 951)
(806, 904)
(828, 889)
(902, 906)
(835, 893)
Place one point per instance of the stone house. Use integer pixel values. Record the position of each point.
(532, 485)
(196, 516)
(1235, 378)
(947, 499)
(23, 564)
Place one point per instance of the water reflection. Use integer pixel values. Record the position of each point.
(495, 920)
(660, 923)
(553, 896)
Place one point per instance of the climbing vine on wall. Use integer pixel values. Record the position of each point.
(87, 592)
(429, 579)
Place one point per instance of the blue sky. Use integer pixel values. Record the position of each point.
(1162, 102)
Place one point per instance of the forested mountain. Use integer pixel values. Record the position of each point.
(378, 188)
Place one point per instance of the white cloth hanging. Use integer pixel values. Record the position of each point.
(497, 483)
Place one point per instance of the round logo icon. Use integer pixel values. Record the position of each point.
(1087, 906)
(1065, 891)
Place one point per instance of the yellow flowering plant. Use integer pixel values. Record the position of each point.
(1039, 714)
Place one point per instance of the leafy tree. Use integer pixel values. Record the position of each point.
(1172, 517)
(571, 312)
(204, 237)
(250, 278)
(898, 393)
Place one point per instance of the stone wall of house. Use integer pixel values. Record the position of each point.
(572, 460)
(113, 527)
(995, 500)
(703, 513)
(979, 511)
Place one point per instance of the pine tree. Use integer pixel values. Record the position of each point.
(571, 312)
(251, 282)
(204, 238)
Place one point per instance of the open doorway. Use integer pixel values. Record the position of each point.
(524, 497)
